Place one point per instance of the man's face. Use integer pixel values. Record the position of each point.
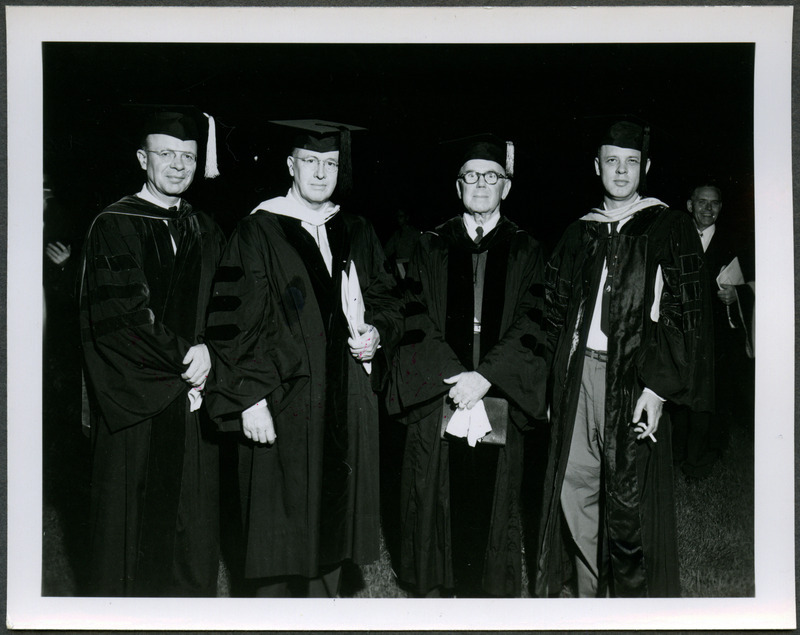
(619, 170)
(480, 197)
(315, 175)
(170, 164)
(704, 206)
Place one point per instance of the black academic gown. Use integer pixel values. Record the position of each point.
(730, 341)
(701, 436)
(671, 357)
(438, 344)
(276, 330)
(154, 502)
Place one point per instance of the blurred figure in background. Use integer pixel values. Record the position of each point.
(400, 246)
(700, 436)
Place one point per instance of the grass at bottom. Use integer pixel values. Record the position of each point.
(715, 525)
(715, 538)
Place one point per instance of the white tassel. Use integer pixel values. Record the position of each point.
(211, 171)
(510, 158)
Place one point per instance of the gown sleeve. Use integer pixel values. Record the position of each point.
(382, 304)
(516, 365)
(133, 360)
(254, 353)
(676, 360)
(424, 359)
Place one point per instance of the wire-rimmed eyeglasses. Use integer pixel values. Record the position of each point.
(329, 165)
(168, 156)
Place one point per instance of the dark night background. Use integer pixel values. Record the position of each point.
(550, 99)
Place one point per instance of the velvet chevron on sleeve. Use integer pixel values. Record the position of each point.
(140, 306)
(276, 330)
(252, 347)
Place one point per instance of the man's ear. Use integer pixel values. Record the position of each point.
(290, 164)
(506, 189)
(458, 189)
(689, 206)
(141, 155)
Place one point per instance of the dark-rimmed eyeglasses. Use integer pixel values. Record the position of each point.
(491, 178)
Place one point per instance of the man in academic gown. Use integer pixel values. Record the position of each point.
(699, 437)
(148, 265)
(474, 318)
(292, 378)
(626, 309)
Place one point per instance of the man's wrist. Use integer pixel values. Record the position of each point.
(256, 406)
(646, 389)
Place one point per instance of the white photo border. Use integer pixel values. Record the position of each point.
(770, 28)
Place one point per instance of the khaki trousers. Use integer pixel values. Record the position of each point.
(580, 493)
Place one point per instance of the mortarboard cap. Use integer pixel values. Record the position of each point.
(318, 135)
(486, 146)
(624, 134)
(632, 135)
(186, 123)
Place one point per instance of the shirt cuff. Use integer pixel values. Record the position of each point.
(646, 389)
(256, 406)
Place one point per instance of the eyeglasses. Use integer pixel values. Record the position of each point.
(168, 156)
(313, 162)
(491, 178)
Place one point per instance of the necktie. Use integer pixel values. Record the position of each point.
(611, 262)
(479, 232)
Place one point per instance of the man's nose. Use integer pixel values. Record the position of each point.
(320, 171)
(622, 168)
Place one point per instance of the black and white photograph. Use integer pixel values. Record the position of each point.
(432, 318)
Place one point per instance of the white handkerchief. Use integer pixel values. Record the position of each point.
(353, 305)
(473, 424)
(458, 425)
(195, 399)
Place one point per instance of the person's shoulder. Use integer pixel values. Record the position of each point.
(671, 213)
(676, 217)
(440, 235)
(121, 216)
(207, 223)
(525, 240)
(576, 227)
(259, 222)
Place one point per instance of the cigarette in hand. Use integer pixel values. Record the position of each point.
(652, 438)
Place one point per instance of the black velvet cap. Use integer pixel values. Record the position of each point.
(486, 146)
(624, 134)
(180, 125)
